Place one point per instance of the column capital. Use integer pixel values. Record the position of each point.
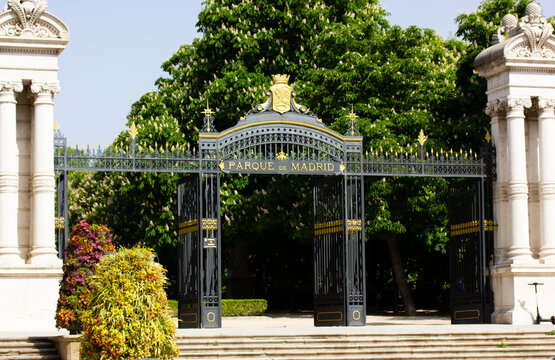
(11, 86)
(45, 88)
(518, 103)
(546, 103)
(496, 107)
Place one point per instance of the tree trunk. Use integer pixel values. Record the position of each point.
(399, 273)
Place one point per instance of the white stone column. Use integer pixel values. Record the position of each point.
(42, 177)
(496, 110)
(532, 172)
(517, 189)
(546, 120)
(9, 247)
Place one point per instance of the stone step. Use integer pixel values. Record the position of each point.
(27, 349)
(504, 345)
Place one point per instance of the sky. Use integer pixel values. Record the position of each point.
(116, 49)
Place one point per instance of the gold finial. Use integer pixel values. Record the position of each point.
(422, 138)
(133, 131)
(341, 167)
(208, 111)
(488, 136)
(56, 126)
(281, 156)
(222, 165)
(352, 116)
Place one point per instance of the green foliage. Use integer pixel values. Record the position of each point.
(243, 307)
(339, 54)
(86, 246)
(128, 316)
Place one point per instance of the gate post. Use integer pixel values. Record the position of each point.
(518, 69)
(211, 258)
(355, 274)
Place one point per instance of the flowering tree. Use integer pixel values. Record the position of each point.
(339, 54)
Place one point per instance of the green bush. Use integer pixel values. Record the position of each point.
(243, 307)
(128, 316)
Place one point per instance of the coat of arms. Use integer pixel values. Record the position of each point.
(281, 93)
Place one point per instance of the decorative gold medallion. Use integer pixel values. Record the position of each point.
(281, 93)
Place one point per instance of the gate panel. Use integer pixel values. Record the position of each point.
(355, 269)
(329, 252)
(211, 256)
(188, 275)
(470, 295)
(60, 221)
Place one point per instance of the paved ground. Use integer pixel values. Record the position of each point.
(289, 320)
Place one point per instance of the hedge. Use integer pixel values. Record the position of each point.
(243, 307)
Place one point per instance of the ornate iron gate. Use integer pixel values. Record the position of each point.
(199, 274)
(471, 297)
(339, 272)
(282, 137)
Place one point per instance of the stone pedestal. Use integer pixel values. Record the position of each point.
(29, 297)
(515, 300)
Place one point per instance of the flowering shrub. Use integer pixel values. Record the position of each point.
(85, 248)
(128, 315)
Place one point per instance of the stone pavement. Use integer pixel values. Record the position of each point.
(296, 320)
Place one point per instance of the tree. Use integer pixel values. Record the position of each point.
(339, 54)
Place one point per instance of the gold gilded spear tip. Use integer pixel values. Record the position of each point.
(133, 130)
(488, 136)
(422, 138)
(56, 126)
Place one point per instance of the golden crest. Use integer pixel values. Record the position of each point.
(281, 93)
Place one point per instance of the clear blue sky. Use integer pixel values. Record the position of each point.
(116, 49)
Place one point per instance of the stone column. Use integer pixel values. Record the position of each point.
(496, 110)
(532, 172)
(9, 247)
(42, 177)
(546, 120)
(517, 189)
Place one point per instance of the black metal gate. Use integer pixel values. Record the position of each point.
(471, 296)
(188, 275)
(61, 220)
(199, 274)
(339, 281)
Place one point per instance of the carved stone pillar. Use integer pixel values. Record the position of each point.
(9, 247)
(546, 119)
(496, 110)
(517, 189)
(42, 176)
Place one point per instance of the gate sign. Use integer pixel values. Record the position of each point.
(254, 166)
